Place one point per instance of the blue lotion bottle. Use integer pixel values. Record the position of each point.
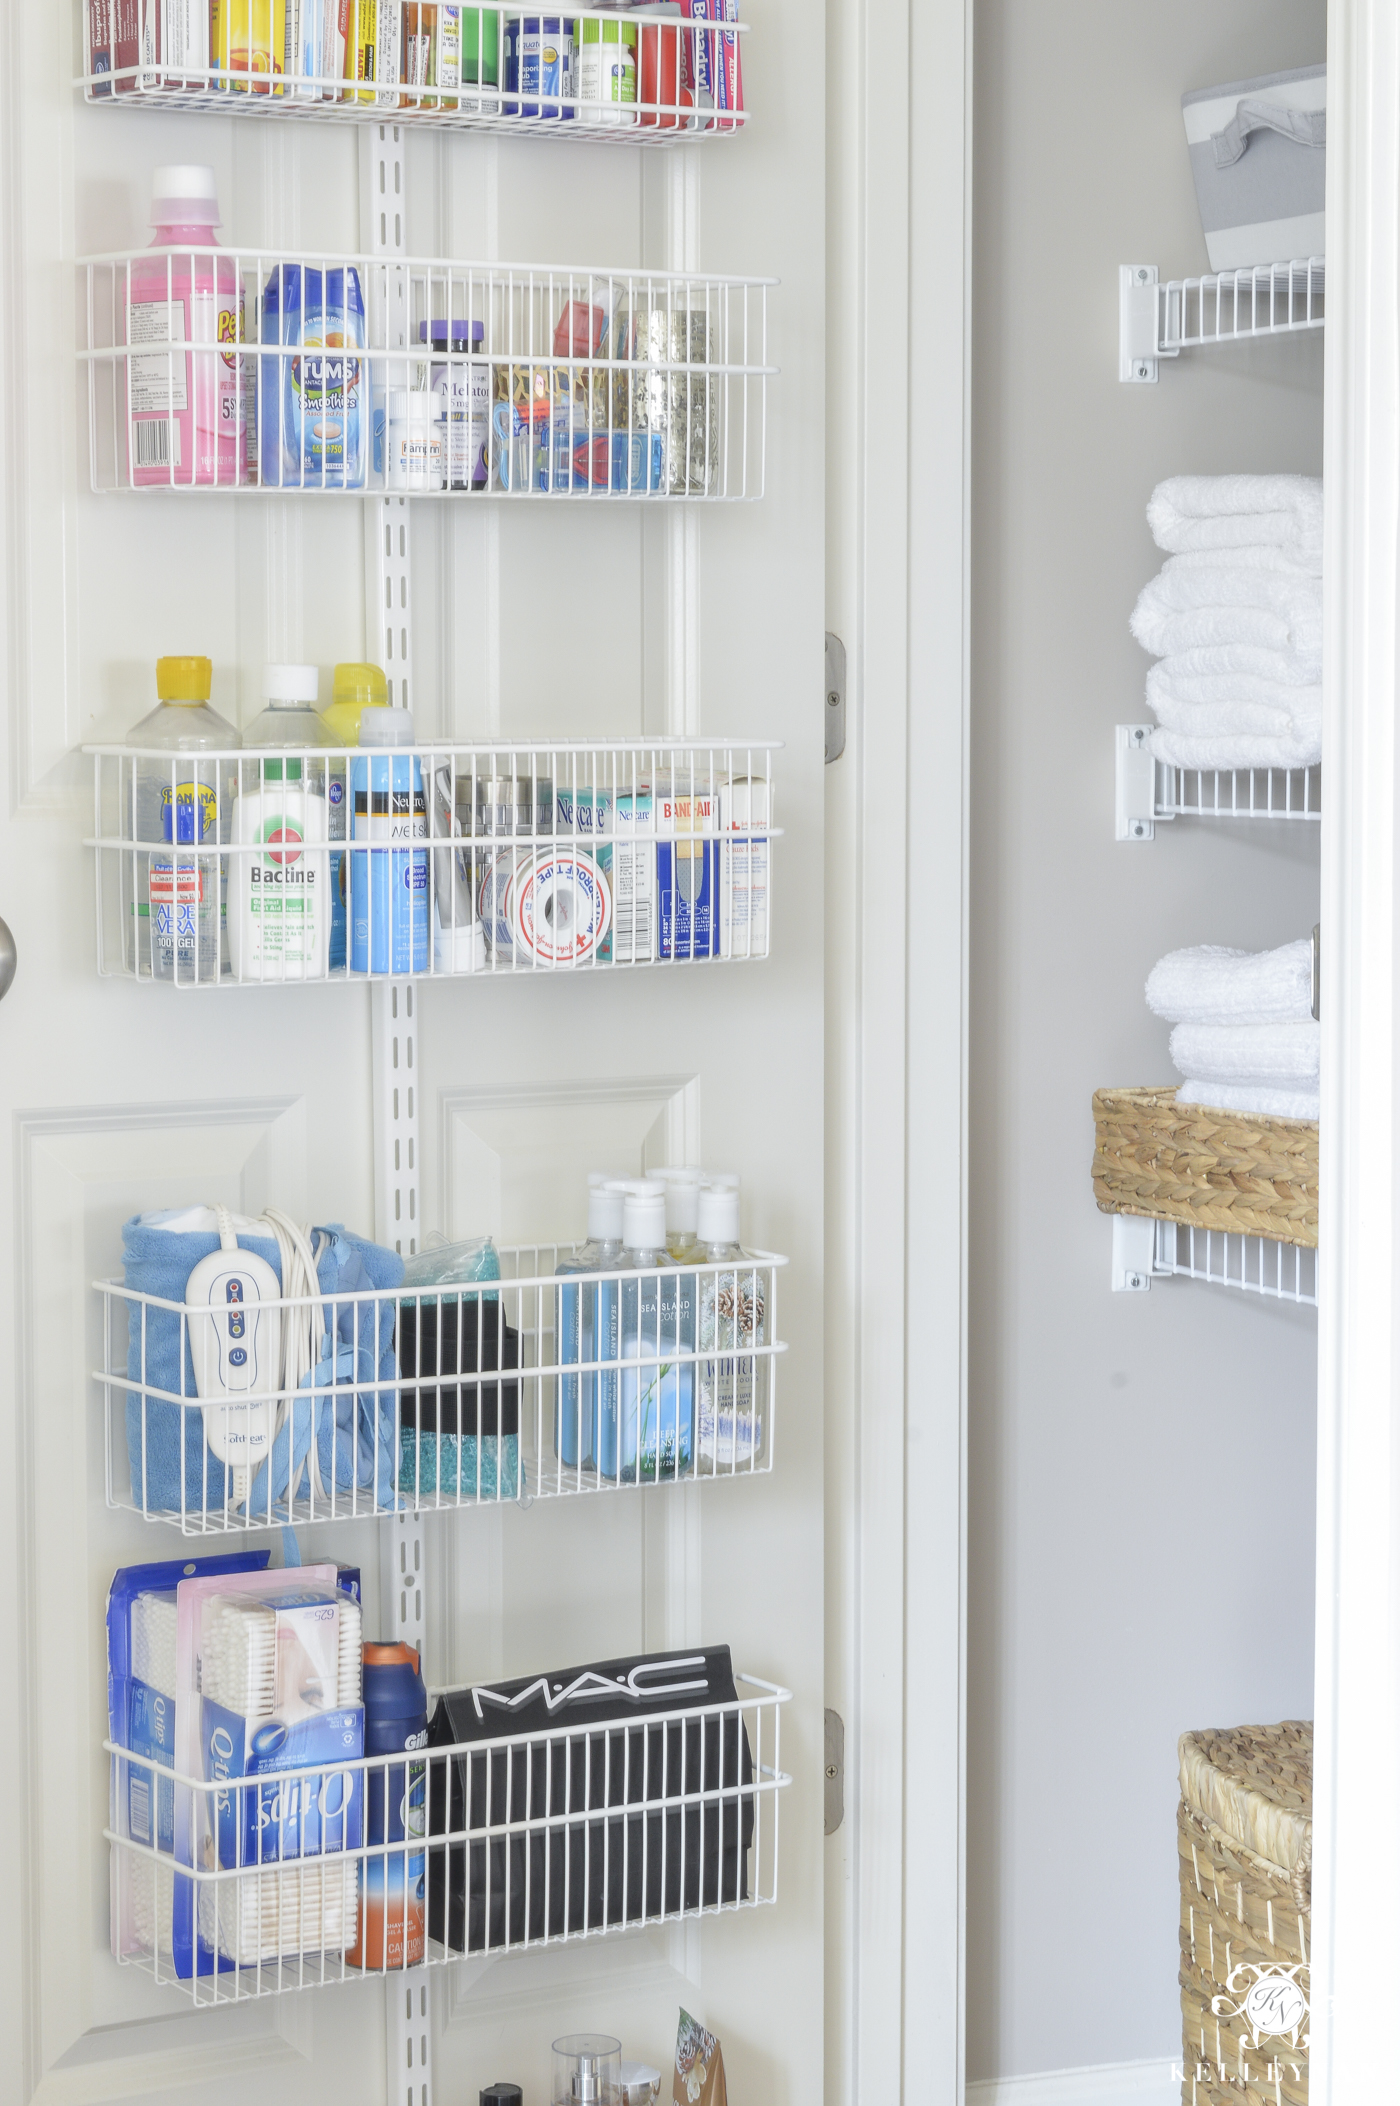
(585, 1421)
(656, 1434)
(388, 882)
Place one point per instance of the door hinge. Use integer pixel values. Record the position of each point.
(834, 1758)
(835, 711)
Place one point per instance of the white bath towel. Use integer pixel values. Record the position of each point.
(1211, 984)
(1243, 750)
(1224, 511)
(1186, 607)
(1277, 1055)
(1240, 1096)
(1222, 705)
(1212, 660)
(1230, 715)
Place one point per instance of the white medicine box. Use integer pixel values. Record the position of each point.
(1259, 156)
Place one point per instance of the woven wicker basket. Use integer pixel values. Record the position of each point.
(1208, 1169)
(1244, 1839)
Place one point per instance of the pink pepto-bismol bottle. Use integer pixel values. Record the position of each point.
(187, 409)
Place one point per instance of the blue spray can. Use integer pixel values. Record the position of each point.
(388, 882)
(393, 1885)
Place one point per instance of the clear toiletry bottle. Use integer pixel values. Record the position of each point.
(355, 686)
(682, 1205)
(174, 892)
(291, 722)
(656, 1436)
(585, 1425)
(732, 1382)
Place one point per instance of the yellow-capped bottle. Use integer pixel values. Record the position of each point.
(176, 897)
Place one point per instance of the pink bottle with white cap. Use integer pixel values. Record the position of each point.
(187, 409)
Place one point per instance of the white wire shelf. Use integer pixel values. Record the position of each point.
(1145, 1248)
(208, 370)
(1238, 793)
(1157, 321)
(676, 84)
(522, 858)
(531, 1839)
(450, 1397)
(1148, 791)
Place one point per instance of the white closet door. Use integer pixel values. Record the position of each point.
(543, 621)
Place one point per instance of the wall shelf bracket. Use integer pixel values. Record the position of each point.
(1137, 322)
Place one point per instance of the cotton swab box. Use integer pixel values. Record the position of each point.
(153, 1641)
(238, 1655)
(351, 1657)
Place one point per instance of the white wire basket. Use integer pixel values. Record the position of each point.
(1238, 793)
(531, 1839)
(468, 68)
(544, 1384)
(245, 371)
(261, 868)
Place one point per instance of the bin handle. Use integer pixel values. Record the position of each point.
(1253, 114)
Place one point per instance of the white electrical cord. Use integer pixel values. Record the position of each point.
(300, 1327)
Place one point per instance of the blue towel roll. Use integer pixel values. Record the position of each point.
(172, 1469)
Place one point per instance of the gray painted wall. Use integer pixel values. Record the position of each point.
(1141, 1466)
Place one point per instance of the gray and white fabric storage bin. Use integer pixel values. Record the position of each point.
(1258, 154)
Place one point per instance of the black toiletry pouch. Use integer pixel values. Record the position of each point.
(457, 1334)
(611, 1740)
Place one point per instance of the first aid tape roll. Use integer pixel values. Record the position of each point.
(559, 907)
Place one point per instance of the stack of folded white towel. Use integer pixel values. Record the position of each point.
(1245, 1036)
(1235, 616)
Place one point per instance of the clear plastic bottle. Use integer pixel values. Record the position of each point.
(682, 1204)
(732, 1405)
(174, 892)
(656, 1433)
(585, 1425)
(291, 720)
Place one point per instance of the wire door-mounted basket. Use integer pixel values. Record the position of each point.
(536, 1385)
(259, 868)
(641, 81)
(528, 1840)
(244, 370)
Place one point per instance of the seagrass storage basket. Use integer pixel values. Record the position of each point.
(1244, 1840)
(1208, 1169)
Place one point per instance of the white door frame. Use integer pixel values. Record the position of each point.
(898, 200)
(1356, 1810)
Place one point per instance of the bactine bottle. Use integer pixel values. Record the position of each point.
(732, 1379)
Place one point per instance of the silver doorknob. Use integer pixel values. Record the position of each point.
(8, 959)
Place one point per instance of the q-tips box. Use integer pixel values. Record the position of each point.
(273, 1673)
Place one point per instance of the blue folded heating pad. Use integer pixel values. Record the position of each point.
(340, 1432)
